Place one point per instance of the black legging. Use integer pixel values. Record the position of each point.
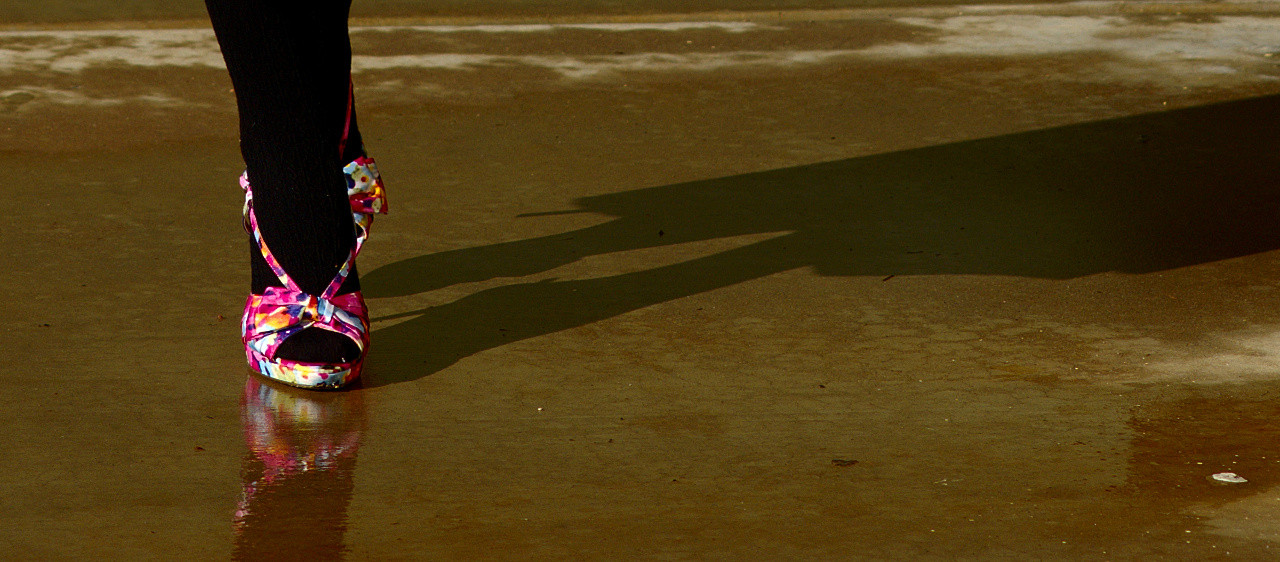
(291, 70)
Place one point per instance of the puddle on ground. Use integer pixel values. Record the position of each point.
(1179, 445)
(298, 472)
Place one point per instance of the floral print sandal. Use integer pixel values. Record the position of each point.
(270, 318)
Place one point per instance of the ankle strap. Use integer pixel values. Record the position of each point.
(367, 197)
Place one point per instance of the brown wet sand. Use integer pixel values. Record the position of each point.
(65, 11)
(848, 287)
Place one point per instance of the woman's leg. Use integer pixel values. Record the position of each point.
(290, 67)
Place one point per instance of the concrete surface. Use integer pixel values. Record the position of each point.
(910, 283)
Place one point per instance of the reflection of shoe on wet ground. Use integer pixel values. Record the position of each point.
(297, 475)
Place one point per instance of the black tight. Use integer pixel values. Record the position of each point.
(290, 65)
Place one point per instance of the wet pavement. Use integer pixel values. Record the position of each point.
(118, 13)
(892, 283)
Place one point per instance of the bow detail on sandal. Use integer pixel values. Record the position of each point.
(270, 318)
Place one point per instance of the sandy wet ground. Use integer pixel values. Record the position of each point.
(110, 12)
(893, 284)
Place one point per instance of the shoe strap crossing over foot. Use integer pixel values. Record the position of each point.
(282, 311)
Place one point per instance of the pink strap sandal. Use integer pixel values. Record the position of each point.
(270, 318)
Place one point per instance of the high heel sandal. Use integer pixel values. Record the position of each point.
(270, 318)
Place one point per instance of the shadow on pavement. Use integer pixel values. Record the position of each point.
(1136, 195)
